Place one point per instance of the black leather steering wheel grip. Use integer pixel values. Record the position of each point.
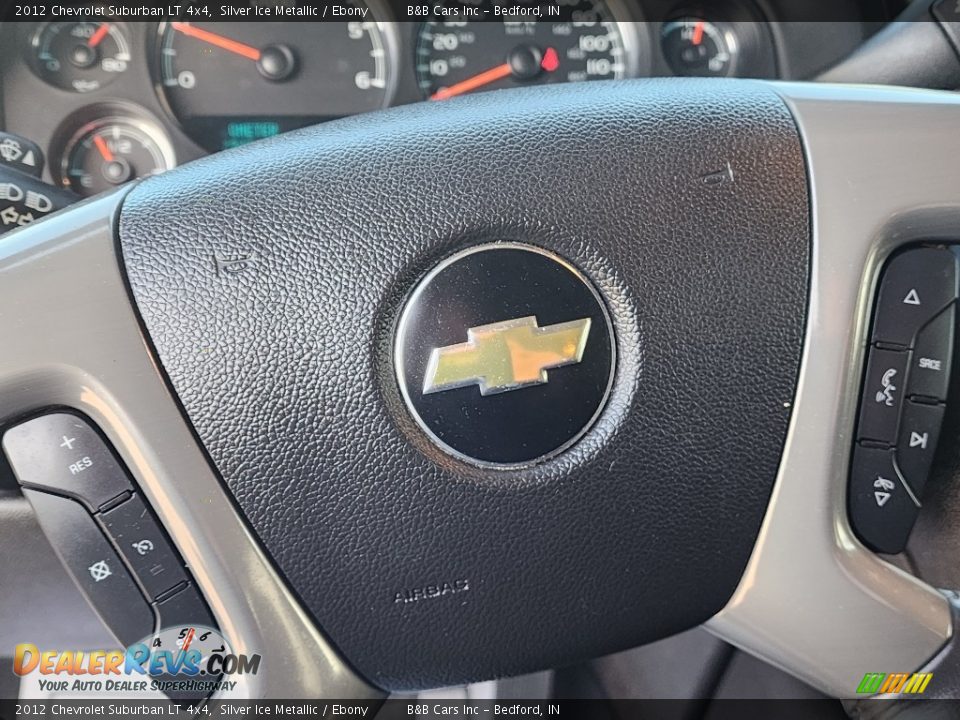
(271, 279)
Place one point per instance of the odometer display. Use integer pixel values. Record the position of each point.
(228, 83)
(584, 42)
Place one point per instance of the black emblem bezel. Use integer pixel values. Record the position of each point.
(492, 283)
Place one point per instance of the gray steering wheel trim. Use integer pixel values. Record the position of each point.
(812, 600)
(74, 340)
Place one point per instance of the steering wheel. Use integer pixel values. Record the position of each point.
(455, 392)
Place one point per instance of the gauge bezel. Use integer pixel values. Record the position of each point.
(33, 46)
(756, 52)
(89, 119)
(382, 18)
(730, 39)
(628, 20)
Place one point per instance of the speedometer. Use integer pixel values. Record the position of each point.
(583, 42)
(231, 82)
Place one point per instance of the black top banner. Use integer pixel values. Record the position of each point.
(401, 10)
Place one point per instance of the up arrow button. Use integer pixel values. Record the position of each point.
(915, 287)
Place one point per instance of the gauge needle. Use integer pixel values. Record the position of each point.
(102, 148)
(220, 41)
(99, 35)
(550, 61)
(698, 33)
(188, 640)
(472, 83)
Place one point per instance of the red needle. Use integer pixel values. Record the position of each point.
(188, 640)
(550, 60)
(472, 83)
(102, 148)
(99, 35)
(698, 33)
(220, 41)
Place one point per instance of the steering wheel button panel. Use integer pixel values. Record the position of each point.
(916, 286)
(932, 358)
(62, 453)
(899, 405)
(94, 565)
(186, 607)
(919, 432)
(882, 509)
(883, 395)
(144, 546)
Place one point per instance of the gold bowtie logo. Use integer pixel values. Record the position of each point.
(507, 355)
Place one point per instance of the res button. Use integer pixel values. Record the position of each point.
(61, 453)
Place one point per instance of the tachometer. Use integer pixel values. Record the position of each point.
(229, 83)
(584, 42)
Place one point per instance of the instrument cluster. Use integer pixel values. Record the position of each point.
(134, 98)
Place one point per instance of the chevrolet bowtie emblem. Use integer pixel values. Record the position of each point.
(506, 355)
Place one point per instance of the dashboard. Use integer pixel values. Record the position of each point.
(111, 100)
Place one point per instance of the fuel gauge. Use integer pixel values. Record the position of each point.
(111, 151)
(697, 47)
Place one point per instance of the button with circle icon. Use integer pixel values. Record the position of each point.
(144, 545)
(100, 570)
